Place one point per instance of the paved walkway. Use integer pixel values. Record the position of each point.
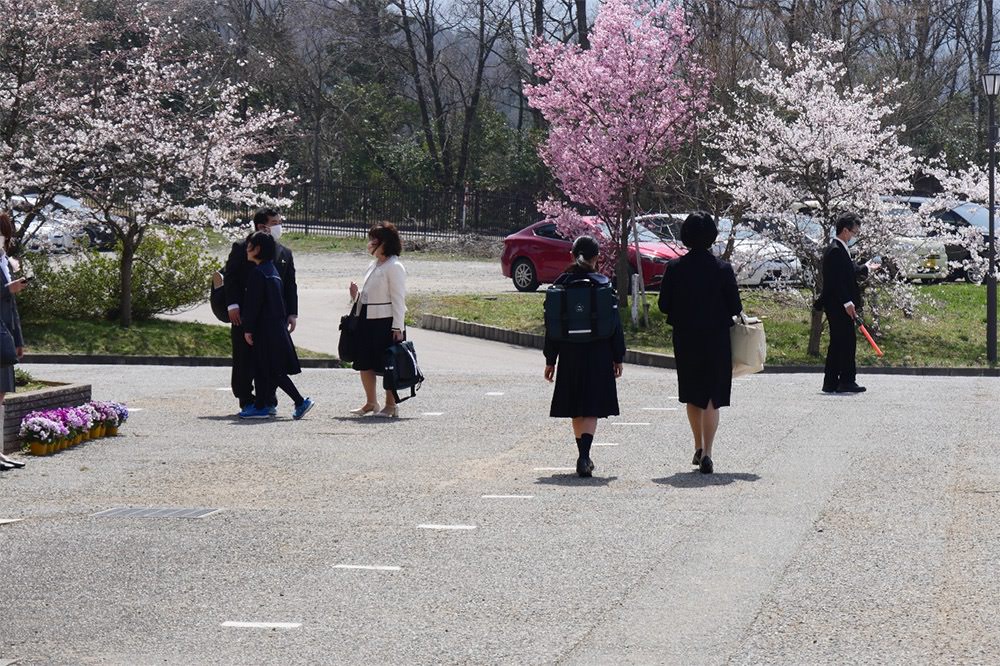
(839, 529)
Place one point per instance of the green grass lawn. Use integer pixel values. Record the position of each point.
(949, 328)
(155, 337)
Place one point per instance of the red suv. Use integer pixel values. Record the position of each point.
(539, 253)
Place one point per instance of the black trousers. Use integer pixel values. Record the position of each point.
(840, 364)
(267, 391)
(242, 380)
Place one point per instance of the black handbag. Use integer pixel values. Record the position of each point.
(402, 370)
(347, 347)
(8, 348)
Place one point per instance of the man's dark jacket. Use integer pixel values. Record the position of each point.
(238, 268)
(840, 278)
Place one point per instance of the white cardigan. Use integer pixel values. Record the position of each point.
(384, 291)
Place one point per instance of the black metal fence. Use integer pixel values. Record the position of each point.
(333, 209)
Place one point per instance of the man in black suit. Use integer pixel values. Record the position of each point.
(841, 299)
(237, 269)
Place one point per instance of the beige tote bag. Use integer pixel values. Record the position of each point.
(749, 345)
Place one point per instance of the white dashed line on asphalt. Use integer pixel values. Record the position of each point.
(7, 521)
(446, 527)
(224, 388)
(494, 393)
(136, 409)
(605, 443)
(366, 567)
(263, 625)
(555, 469)
(432, 413)
(507, 496)
(629, 423)
(659, 409)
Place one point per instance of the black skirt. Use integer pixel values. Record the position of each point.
(374, 337)
(585, 381)
(704, 367)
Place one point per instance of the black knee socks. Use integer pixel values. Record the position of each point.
(583, 445)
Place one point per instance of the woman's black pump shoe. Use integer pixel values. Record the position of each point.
(697, 457)
(706, 465)
(11, 464)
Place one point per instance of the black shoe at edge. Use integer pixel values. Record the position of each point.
(706, 465)
(697, 457)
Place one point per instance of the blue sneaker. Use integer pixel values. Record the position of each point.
(251, 412)
(303, 409)
(272, 410)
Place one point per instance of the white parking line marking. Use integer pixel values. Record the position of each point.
(5, 521)
(132, 410)
(507, 496)
(433, 413)
(263, 625)
(605, 443)
(495, 393)
(366, 567)
(629, 423)
(224, 388)
(659, 409)
(446, 527)
(555, 469)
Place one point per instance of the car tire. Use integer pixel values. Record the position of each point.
(524, 276)
(975, 277)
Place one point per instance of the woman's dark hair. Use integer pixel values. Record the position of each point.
(265, 242)
(7, 230)
(847, 221)
(698, 231)
(262, 217)
(586, 247)
(388, 238)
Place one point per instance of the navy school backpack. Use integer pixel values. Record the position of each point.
(401, 370)
(581, 309)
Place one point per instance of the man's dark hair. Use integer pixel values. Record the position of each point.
(698, 231)
(387, 236)
(262, 217)
(847, 221)
(265, 242)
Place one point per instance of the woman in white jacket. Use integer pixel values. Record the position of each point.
(382, 299)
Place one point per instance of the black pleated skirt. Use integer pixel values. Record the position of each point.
(704, 367)
(374, 337)
(585, 381)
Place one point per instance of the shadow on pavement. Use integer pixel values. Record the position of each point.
(370, 419)
(574, 480)
(696, 479)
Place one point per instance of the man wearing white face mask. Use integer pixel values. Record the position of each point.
(237, 269)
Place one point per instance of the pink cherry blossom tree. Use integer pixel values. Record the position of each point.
(617, 110)
(802, 145)
(160, 140)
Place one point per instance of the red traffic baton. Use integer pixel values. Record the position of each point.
(868, 336)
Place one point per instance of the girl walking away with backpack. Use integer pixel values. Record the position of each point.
(583, 334)
(265, 327)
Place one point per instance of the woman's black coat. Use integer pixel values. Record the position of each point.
(699, 296)
(264, 317)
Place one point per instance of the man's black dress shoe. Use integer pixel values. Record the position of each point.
(697, 457)
(827, 389)
(851, 388)
(706, 465)
(4, 466)
(584, 467)
(12, 463)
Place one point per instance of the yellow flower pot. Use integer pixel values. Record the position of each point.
(112, 431)
(50, 448)
(38, 448)
(95, 432)
(78, 439)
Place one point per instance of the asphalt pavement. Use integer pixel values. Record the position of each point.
(837, 529)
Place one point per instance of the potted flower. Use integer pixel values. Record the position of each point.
(75, 422)
(41, 430)
(94, 418)
(109, 417)
(121, 416)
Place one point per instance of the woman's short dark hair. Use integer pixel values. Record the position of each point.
(265, 242)
(698, 231)
(7, 230)
(387, 236)
(847, 221)
(262, 217)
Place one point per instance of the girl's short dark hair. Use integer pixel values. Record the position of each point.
(387, 236)
(265, 242)
(698, 231)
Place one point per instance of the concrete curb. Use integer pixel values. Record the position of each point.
(451, 325)
(191, 361)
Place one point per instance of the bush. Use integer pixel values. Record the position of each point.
(170, 272)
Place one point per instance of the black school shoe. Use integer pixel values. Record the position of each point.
(584, 467)
(851, 388)
(706, 465)
(697, 457)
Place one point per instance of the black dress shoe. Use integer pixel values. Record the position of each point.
(706, 465)
(4, 466)
(851, 388)
(12, 463)
(828, 389)
(584, 467)
(697, 457)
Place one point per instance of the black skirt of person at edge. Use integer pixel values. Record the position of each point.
(11, 321)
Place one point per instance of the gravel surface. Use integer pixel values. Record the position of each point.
(838, 529)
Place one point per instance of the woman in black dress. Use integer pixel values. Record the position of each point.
(700, 297)
(585, 382)
(10, 318)
(265, 326)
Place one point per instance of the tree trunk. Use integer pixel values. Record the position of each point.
(815, 331)
(582, 29)
(125, 283)
(623, 272)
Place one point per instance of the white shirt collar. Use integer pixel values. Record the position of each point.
(837, 238)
